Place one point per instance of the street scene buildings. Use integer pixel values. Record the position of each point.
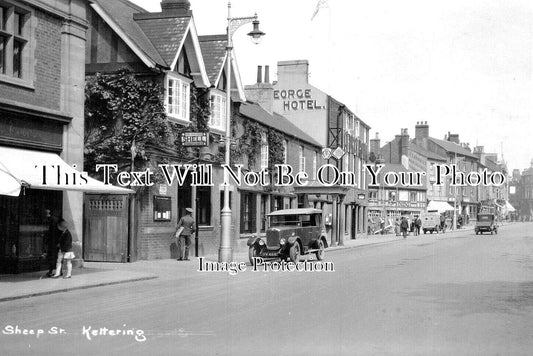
(288, 121)
(121, 121)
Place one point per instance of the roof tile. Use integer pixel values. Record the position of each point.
(275, 121)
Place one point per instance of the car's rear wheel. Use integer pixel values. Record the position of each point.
(294, 252)
(320, 252)
(491, 232)
(252, 252)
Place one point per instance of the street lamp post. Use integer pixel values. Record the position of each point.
(225, 251)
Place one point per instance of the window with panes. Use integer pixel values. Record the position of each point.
(217, 120)
(301, 159)
(264, 151)
(178, 94)
(15, 34)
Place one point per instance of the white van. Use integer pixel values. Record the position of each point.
(430, 222)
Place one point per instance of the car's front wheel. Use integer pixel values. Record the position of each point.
(252, 252)
(294, 252)
(320, 252)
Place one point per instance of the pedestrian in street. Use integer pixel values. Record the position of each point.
(397, 226)
(51, 242)
(418, 224)
(442, 223)
(65, 250)
(184, 239)
(404, 226)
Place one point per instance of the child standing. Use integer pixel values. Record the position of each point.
(65, 250)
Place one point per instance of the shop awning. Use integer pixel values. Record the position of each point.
(509, 207)
(19, 167)
(439, 206)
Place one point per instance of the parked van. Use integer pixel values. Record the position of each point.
(430, 222)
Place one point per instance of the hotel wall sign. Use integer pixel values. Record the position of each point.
(297, 99)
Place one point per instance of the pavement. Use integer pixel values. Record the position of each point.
(99, 274)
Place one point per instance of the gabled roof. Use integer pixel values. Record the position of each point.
(214, 52)
(215, 55)
(156, 38)
(119, 15)
(167, 34)
(256, 112)
(426, 153)
(452, 147)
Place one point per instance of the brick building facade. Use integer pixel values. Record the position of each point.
(41, 106)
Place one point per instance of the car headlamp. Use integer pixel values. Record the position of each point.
(261, 242)
(282, 241)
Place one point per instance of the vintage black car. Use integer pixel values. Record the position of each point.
(486, 223)
(290, 234)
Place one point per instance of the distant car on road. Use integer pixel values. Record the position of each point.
(290, 233)
(486, 223)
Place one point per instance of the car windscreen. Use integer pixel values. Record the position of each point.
(284, 220)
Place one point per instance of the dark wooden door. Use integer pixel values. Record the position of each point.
(105, 230)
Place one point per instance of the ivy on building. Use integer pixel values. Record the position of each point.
(123, 117)
(126, 124)
(200, 111)
(276, 152)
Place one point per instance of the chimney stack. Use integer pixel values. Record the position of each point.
(295, 72)
(375, 145)
(267, 74)
(261, 93)
(421, 133)
(180, 7)
(454, 138)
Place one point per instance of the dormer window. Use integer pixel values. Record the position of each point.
(178, 97)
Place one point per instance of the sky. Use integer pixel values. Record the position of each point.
(465, 67)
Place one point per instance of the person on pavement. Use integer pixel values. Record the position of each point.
(418, 224)
(51, 241)
(184, 239)
(442, 223)
(65, 250)
(404, 226)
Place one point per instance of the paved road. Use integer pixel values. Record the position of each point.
(460, 294)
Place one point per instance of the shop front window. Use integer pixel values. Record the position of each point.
(23, 223)
(248, 209)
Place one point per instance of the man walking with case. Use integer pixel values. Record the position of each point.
(184, 238)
